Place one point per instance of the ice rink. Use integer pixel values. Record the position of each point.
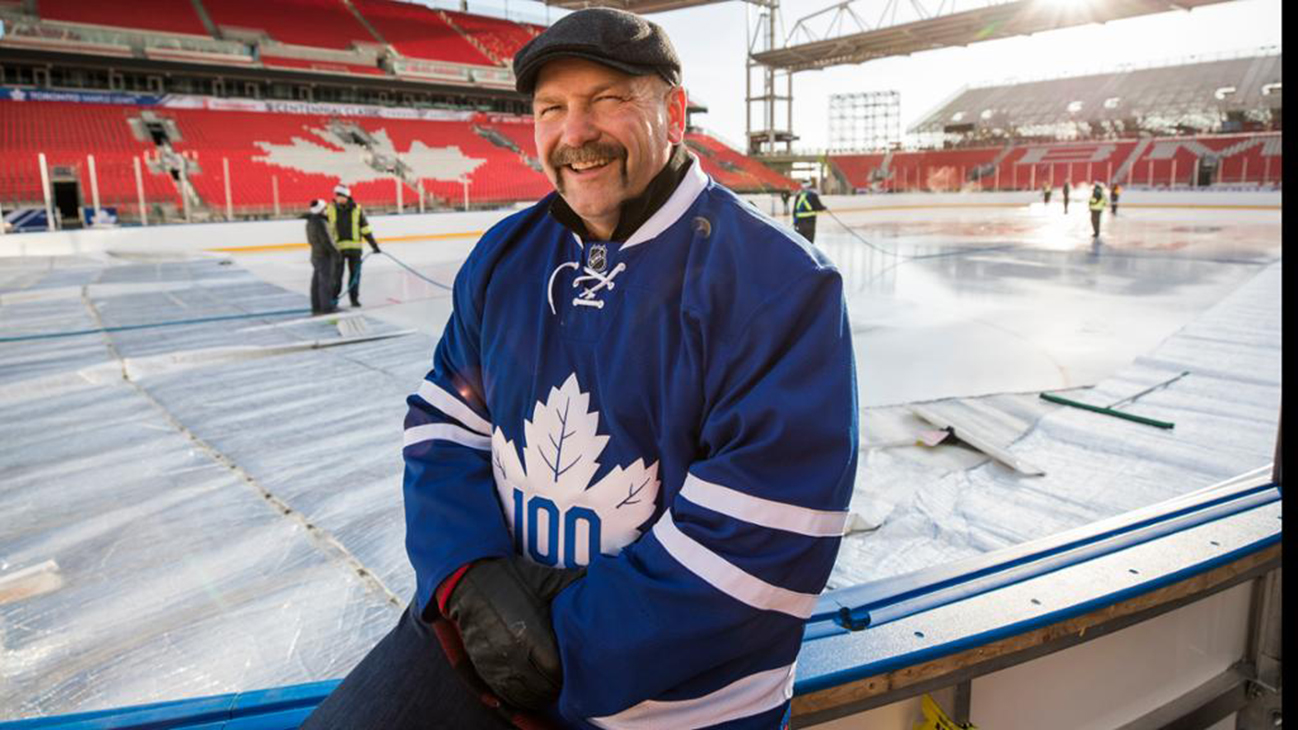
(216, 506)
(952, 298)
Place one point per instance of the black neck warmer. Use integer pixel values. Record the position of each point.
(637, 210)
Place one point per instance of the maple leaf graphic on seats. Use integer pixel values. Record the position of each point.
(335, 155)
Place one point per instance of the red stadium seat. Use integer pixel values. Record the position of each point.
(161, 15)
(502, 38)
(420, 32)
(494, 154)
(318, 23)
(28, 129)
(734, 170)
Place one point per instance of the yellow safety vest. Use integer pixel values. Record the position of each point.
(1098, 202)
(358, 233)
(802, 206)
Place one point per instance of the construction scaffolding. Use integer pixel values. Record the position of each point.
(763, 84)
(864, 121)
(839, 34)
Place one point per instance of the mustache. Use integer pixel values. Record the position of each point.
(564, 155)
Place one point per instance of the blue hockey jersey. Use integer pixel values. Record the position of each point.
(678, 413)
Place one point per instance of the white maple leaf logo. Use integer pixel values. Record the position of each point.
(559, 460)
(337, 156)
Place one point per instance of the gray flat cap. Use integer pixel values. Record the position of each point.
(614, 38)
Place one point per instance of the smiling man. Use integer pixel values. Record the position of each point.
(627, 472)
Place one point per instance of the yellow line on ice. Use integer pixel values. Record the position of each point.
(391, 239)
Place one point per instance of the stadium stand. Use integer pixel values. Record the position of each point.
(319, 23)
(503, 175)
(82, 130)
(273, 156)
(732, 169)
(1221, 95)
(421, 32)
(158, 15)
(298, 157)
(210, 137)
(858, 171)
(517, 130)
(292, 158)
(500, 38)
(1229, 159)
(314, 160)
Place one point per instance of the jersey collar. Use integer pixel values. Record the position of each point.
(671, 211)
(668, 196)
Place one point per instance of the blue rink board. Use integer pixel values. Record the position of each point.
(1048, 581)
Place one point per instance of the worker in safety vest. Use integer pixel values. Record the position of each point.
(1098, 202)
(805, 207)
(348, 224)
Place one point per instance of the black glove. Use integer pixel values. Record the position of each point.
(502, 609)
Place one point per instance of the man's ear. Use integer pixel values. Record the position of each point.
(676, 100)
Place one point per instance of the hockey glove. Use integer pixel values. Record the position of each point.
(502, 609)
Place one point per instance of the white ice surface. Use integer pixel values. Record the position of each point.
(208, 519)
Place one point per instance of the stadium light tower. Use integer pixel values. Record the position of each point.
(864, 121)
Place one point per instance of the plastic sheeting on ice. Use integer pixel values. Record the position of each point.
(1226, 414)
(179, 576)
(159, 498)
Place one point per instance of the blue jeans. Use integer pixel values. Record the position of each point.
(404, 683)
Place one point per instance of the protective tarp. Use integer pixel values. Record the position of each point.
(230, 518)
(1225, 412)
(162, 499)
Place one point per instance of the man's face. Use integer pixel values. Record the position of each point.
(340, 199)
(602, 135)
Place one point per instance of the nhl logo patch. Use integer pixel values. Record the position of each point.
(597, 259)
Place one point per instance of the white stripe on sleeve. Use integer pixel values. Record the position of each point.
(437, 397)
(764, 512)
(745, 697)
(726, 577)
(446, 432)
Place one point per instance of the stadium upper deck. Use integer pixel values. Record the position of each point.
(400, 40)
(1221, 95)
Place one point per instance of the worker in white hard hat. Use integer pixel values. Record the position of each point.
(348, 225)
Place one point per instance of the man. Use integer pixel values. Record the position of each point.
(1045, 193)
(324, 260)
(348, 224)
(805, 208)
(1097, 204)
(646, 384)
(1113, 199)
(1068, 188)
